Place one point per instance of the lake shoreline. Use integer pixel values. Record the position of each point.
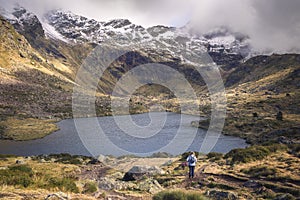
(69, 140)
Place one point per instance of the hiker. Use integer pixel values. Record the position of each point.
(191, 159)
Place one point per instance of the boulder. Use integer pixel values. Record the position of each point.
(21, 162)
(149, 185)
(108, 184)
(139, 172)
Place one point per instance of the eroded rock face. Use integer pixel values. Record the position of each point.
(139, 172)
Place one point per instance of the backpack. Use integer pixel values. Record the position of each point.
(192, 160)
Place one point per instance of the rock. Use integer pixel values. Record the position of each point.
(108, 183)
(94, 162)
(28, 158)
(255, 115)
(252, 184)
(20, 162)
(168, 163)
(101, 158)
(42, 160)
(284, 197)
(284, 140)
(150, 185)
(220, 195)
(279, 116)
(139, 172)
(58, 195)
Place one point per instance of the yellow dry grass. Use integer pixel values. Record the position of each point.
(28, 129)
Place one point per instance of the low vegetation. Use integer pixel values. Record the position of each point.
(21, 175)
(253, 153)
(178, 195)
(260, 171)
(26, 129)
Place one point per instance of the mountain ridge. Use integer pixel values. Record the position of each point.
(53, 61)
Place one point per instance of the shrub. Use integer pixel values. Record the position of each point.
(276, 147)
(17, 175)
(90, 187)
(178, 195)
(21, 168)
(186, 154)
(64, 184)
(66, 158)
(257, 171)
(214, 155)
(220, 185)
(248, 154)
(7, 156)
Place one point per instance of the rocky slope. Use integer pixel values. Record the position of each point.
(258, 172)
(40, 59)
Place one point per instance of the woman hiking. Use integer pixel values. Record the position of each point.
(191, 159)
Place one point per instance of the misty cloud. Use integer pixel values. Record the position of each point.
(271, 24)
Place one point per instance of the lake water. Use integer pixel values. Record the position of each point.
(141, 134)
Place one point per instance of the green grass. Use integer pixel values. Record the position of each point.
(19, 175)
(260, 171)
(178, 195)
(221, 186)
(90, 187)
(65, 158)
(249, 154)
(23, 176)
(253, 153)
(214, 156)
(26, 129)
(64, 184)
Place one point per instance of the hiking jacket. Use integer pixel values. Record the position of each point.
(189, 163)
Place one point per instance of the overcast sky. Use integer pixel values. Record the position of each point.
(271, 24)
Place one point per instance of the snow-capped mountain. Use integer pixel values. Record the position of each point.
(71, 28)
(81, 29)
(24, 21)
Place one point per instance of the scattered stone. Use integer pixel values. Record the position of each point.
(150, 185)
(252, 184)
(139, 172)
(22, 55)
(58, 195)
(42, 160)
(284, 140)
(284, 197)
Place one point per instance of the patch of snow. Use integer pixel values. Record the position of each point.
(51, 32)
(225, 40)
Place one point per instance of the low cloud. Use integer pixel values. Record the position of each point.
(272, 25)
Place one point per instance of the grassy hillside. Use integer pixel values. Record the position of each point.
(257, 92)
(38, 83)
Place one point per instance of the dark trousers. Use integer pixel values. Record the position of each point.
(191, 171)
